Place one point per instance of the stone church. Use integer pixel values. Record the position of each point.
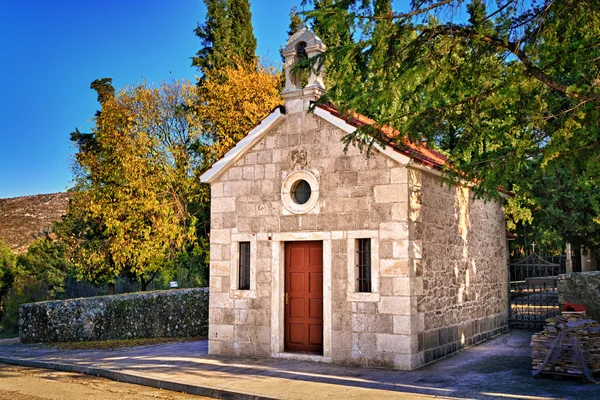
(328, 255)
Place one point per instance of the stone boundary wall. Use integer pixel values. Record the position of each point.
(169, 313)
(581, 288)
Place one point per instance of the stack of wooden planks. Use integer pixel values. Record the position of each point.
(568, 345)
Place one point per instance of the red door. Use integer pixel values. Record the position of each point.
(304, 297)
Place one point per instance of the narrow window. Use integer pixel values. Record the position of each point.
(244, 273)
(363, 265)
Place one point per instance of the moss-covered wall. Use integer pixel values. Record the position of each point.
(172, 313)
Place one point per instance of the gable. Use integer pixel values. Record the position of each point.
(274, 119)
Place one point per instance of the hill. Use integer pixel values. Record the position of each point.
(23, 219)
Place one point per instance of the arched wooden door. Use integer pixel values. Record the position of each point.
(304, 297)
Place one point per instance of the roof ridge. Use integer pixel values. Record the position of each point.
(418, 151)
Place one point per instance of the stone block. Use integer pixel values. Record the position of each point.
(400, 211)
(394, 343)
(220, 300)
(341, 340)
(288, 223)
(219, 268)
(216, 189)
(248, 173)
(376, 177)
(222, 205)
(393, 230)
(215, 284)
(380, 323)
(264, 157)
(234, 173)
(401, 249)
(270, 171)
(250, 157)
(359, 323)
(399, 175)
(364, 343)
(385, 286)
(393, 267)
(391, 193)
(267, 187)
(401, 286)
(220, 332)
(394, 305)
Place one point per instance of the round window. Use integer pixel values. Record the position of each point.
(301, 191)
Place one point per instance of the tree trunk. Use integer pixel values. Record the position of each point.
(112, 288)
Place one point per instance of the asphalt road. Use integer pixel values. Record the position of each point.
(22, 383)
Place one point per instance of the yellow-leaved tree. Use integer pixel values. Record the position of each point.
(232, 101)
(132, 207)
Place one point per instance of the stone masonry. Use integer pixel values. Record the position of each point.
(438, 256)
(441, 257)
(461, 273)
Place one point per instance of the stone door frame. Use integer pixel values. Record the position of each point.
(278, 294)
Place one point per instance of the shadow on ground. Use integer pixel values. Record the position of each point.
(500, 368)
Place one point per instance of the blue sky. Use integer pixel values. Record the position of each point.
(50, 52)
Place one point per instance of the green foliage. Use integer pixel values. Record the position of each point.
(295, 21)
(189, 268)
(46, 261)
(226, 36)
(512, 96)
(37, 275)
(7, 267)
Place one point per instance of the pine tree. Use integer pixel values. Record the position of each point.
(226, 36)
(242, 34)
(512, 95)
(295, 21)
(333, 35)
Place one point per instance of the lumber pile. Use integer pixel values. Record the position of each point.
(568, 345)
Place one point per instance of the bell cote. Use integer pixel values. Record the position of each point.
(299, 92)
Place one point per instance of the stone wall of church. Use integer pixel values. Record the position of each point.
(356, 195)
(460, 266)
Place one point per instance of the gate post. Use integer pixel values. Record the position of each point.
(569, 262)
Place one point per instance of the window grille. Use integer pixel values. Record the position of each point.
(363, 264)
(244, 273)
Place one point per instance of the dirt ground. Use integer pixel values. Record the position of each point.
(22, 383)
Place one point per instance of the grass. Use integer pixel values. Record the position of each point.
(117, 344)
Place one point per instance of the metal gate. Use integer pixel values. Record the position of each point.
(533, 291)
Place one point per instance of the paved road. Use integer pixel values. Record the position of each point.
(497, 369)
(22, 383)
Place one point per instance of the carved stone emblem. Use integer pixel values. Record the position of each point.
(299, 159)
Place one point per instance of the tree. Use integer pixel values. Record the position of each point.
(132, 205)
(7, 266)
(226, 36)
(46, 261)
(233, 101)
(335, 34)
(512, 95)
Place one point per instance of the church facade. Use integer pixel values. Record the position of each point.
(329, 255)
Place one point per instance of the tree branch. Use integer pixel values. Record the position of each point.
(514, 48)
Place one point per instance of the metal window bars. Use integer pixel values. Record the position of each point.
(244, 266)
(363, 264)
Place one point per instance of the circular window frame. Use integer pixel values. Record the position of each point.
(287, 197)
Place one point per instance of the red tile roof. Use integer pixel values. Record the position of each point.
(417, 151)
